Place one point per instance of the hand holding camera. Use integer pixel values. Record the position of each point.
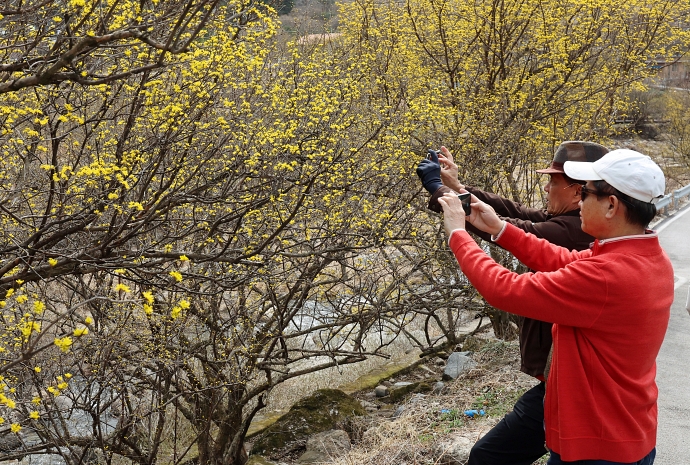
(449, 170)
(481, 215)
(429, 172)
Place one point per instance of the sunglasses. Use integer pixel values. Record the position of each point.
(584, 192)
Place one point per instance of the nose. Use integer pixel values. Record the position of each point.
(547, 186)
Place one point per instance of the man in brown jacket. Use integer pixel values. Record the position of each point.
(519, 437)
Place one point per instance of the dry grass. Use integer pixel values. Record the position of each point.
(415, 436)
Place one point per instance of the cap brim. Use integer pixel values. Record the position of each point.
(550, 171)
(581, 170)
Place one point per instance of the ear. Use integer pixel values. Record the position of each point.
(614, 207)
(577, 195)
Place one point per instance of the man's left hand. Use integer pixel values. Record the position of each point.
(453, 214)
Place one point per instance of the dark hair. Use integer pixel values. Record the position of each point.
(570, 180)
(636, 211)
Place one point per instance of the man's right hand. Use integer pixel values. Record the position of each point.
(449, 170)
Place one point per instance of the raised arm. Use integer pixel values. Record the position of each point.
(552, 296)
(537, 253)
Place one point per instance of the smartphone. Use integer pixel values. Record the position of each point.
(465, 200)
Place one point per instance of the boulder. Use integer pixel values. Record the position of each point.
(458, 363)
(322, 411)
(312, 456)
(324, 447)
(453, 450)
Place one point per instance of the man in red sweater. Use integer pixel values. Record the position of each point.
(518, 439)
(610, 307)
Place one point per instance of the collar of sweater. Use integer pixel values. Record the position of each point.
(639, 242)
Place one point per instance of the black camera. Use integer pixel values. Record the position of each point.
(465, 200)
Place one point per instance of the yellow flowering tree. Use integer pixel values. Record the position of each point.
(186, 227)
(502, 83)
(193, 213)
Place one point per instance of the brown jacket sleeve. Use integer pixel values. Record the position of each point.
(564, 230)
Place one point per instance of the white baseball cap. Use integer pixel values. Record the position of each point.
(629, 171)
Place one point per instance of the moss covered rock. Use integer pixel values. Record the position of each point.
(322, 411)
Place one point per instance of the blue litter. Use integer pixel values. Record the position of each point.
(474, 413)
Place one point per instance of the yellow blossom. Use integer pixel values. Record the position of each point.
(177, 275)
(148, 295)
(34, 415)
(122, 287)
(81, 332)
(52, 261)
(15, 428)
(39, 306)
(63, 343)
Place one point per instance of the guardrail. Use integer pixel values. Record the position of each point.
(672, 201)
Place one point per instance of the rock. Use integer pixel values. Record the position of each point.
(398, 411)
(370, 407)
(458, 363)
(381, 391)
(326, 446)
(427, 370)
(320, 412)
(439, 362)
(312, 456)
(439, 386)
(333, 443)
(402, 384)
(473, 344)
(258, 460)
(9, 442)
(453, 450)
(397, 393)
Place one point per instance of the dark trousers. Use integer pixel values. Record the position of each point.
(555, 459)
(518, 439)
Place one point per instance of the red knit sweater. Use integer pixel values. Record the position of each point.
(611, 305)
